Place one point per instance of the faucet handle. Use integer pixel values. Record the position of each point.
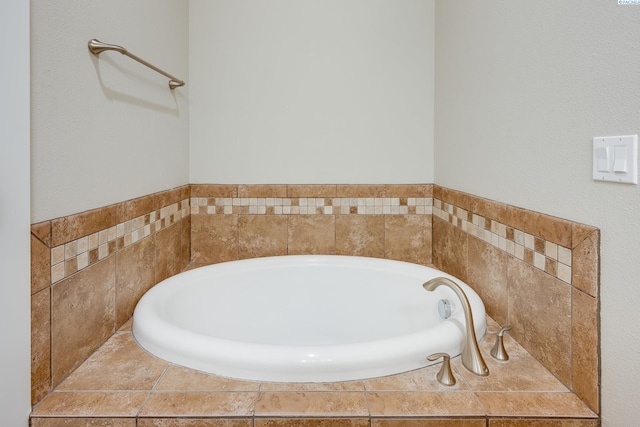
(445, 375)
(498, 352)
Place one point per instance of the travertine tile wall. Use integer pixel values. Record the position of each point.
(90, 269)
(122, 381)
(538, 273)
(232, 222)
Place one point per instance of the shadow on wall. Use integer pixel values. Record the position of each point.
(165, 103)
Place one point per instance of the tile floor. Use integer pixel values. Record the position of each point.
(121, 385)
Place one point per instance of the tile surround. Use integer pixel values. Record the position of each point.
(82, 317)
(551, 422)
(135, 274)
(40, 265)
(362, 235)
(89, 270)
(424, 404)
(262, 235)
(310, 422)
(451, 246)
(487, 266)
(545, 255)
(528, 404)
(540, 314)
(166, 395)
(40, 344)
(168, 252)
(119, 364)
(214, 238)
(408, 238)
(197, 404)
(455, 422)
(193, 422)
(362, 218)
(238, 222)
(311, 235)
(536, 272)
(311, 404)
(83, 422)
(93, 404)
(522, 373)
(78, 254)
(585, 355)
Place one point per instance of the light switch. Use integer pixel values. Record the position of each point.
(615, 159)
(602, 156)
(620, 158)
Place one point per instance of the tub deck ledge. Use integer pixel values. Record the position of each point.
(121, 385)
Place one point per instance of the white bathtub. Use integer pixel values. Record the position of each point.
(302, 318)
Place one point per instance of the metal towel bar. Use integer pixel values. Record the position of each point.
(97, 47)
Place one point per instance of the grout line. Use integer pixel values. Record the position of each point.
(366, 401)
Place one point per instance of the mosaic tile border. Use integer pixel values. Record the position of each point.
(543, 255)
(78, 254)
(312, 205)
(81, 253)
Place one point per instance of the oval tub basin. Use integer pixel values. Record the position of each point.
(303, 318)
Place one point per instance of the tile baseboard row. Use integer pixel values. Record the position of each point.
(544, 255)
(76, 255)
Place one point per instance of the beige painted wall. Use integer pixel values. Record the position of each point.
(109, 129)
(15, 356)
(317, 91)
(522, 87)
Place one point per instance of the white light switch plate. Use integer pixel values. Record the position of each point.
(615, 159)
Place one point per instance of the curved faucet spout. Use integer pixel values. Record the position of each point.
(471, 357)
